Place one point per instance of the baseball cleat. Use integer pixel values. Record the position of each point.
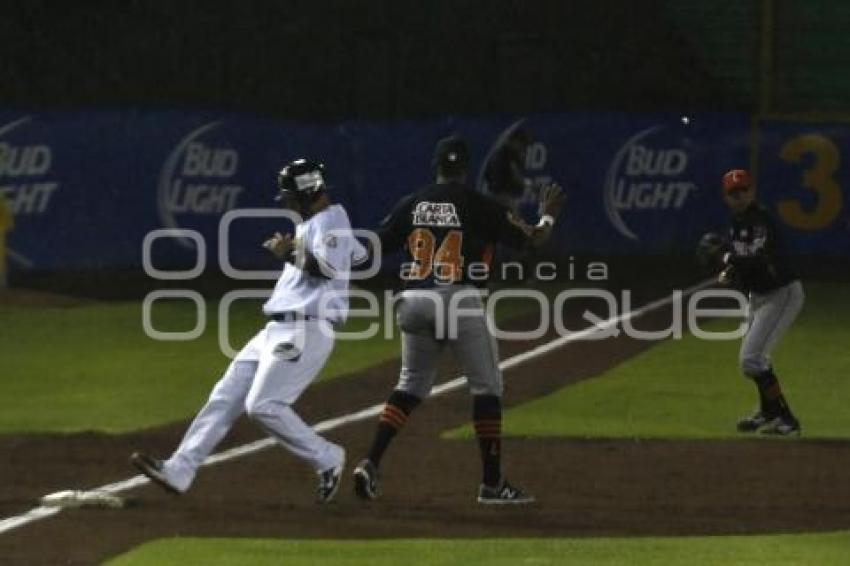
(366, 480)
(152, 468)
(504, 494)
(753, 422)
(782, 426)
(329, 481)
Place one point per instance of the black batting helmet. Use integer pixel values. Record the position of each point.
(302, 180)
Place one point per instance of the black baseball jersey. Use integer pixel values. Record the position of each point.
(758, 252)
(447, 231)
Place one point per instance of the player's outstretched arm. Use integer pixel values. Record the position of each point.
(281, 246)
(552, 198)
(713, 253)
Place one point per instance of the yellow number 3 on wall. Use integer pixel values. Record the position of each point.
(818, 179)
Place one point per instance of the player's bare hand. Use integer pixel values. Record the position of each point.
(726, 277)
(280, 245)
(552, 198)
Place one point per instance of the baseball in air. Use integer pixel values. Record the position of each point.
(685, 120)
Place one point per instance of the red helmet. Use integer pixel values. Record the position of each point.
(736, 179)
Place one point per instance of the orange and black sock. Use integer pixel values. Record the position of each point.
(392, 419)
(487, 417)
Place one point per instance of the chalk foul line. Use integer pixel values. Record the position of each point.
(43, 512)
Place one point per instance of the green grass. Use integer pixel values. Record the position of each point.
(692, 388)
(781, 550)
(93, 367)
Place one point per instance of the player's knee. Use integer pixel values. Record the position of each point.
(235, 383)
(253, 409)
(414, 383)
(753, 365)
(490, 389)
(486, 383)
(405, 401)
(259, 409)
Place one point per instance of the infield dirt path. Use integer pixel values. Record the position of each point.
(585, 487)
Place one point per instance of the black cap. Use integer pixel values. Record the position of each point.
(451, 154)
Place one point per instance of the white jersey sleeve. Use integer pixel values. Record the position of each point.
(359, 253)
(334, 246)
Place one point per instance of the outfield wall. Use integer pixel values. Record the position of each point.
(85, 188)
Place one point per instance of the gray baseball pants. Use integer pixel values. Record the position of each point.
(452, 315)
(770, 315)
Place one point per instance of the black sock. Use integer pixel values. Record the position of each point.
(773, 402)
(392, 419)
(487, 417)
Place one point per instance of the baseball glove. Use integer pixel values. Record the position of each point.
(551, 199)
(728, 277)
(710, 249)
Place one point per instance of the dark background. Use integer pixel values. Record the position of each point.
(327, 61)
(336, 59)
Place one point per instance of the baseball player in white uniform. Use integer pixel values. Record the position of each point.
(273, 369)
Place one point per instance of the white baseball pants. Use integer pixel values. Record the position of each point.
(264, 380)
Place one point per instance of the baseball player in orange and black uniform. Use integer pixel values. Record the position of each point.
(447, 230)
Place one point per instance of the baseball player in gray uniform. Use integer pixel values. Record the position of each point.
(273, 369)
(755, 259)
(448, 230)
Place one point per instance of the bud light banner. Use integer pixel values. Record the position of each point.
(83, 190)
(637, 184)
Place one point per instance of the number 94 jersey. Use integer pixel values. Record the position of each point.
(448, 232)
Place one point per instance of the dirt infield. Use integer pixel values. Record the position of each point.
(585, 487)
